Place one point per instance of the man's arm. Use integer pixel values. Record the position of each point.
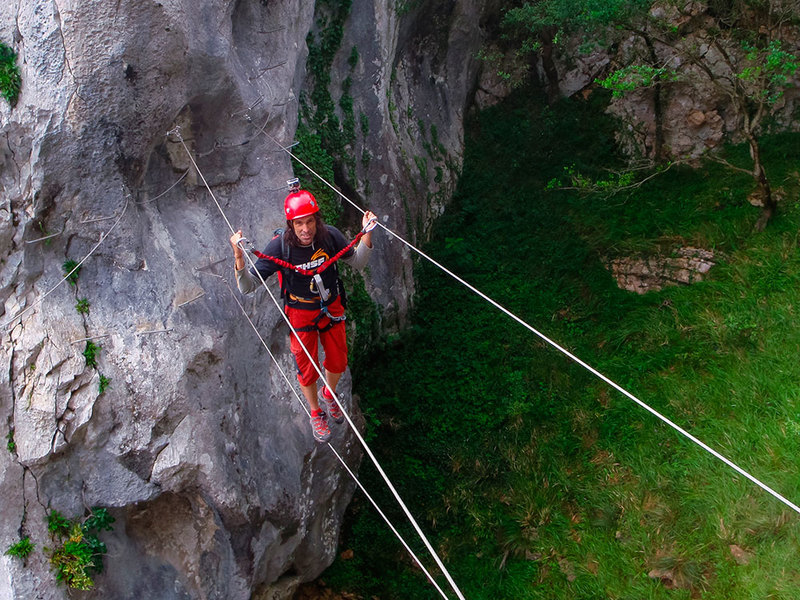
(244, 280)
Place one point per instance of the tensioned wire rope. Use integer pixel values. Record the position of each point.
(338, 456)
(358, 435)
(555, 345)
(40, 299)
(103, 237)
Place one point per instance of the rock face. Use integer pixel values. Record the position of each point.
(197, 446)
(652, 273)
(694, 110)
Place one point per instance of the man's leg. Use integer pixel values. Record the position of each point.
(332, 379)
(334, 342)
(306, 369)
(310, 392)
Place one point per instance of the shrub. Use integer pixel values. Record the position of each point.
(83, 306)
(79, 552)
(10, 79)
(71, 270)
(90, 353)
(21, 549)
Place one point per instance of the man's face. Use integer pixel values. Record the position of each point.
(305, 228)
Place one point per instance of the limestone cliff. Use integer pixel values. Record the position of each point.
(197, 446)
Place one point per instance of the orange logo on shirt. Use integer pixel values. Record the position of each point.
(319, 257)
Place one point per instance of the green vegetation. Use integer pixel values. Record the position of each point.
(363, 317)
(11, 445)
(322, 135)
(90, 354)
(740, 49)
(10, 79)
(103, 385)
(78, 552)
(21, 549)
(71, 271)
(82, 306)
(58, 524)
(311, 152)
(403, 7)
(635, 77)
(534, 479)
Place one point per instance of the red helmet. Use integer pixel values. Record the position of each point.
(300, 204)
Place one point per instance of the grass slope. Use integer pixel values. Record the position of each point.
(535, 479)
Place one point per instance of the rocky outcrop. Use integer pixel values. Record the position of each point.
(692, 109)
(642, 274)
(196, 445)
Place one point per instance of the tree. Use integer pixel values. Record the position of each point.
(740, 48)
(540, 26)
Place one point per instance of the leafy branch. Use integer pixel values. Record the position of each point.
(634, 77)
(617, 181)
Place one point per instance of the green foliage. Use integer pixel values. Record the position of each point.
(90, 353)
(98, 520)
(10, 78)
(610, 183)
(403, 7)
(11, 445)
(528, 22)
(769, 70)
(58, 524)
(312, 153)
(523, 466)
(103, 385)
(422, 165)
(352, 60)
(738, 51)
(318, 114)
(71, 271)
(634, 77)
(363, 318)
(21, 549)
(82, 306)
(78, 553)
(348, 122)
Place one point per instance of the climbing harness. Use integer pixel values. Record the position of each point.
(308, 272)
(316, 285)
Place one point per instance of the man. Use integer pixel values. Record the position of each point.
(312, 304)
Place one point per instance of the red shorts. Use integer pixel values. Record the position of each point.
(334, 342)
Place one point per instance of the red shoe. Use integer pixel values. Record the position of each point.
(319, 426)
(333, 407)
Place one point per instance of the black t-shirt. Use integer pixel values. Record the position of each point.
(305, 257)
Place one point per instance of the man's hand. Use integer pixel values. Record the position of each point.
(238, 253)
(368, 222)
(235, 239)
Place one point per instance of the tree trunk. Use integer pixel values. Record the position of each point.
(548, 64)
(764, 190)
(658, 111)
